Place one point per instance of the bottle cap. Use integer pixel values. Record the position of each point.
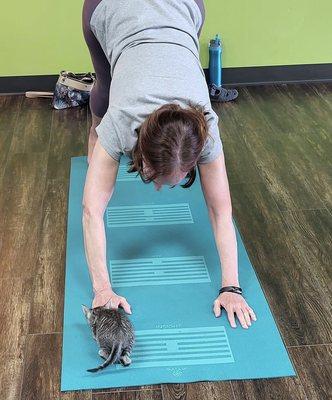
(216, 41)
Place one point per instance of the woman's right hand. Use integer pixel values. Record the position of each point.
(109, 299)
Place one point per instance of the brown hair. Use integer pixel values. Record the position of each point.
(170, 139)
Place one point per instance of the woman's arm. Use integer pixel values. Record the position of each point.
(215, 187)
(98, 190)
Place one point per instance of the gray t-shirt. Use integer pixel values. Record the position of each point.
(153, 50)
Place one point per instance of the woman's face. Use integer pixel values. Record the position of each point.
(170, 180)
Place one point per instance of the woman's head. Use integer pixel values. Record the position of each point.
(169, 144)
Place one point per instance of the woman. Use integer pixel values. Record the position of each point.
(151, 102)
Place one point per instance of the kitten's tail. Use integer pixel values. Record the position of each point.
(114, 355)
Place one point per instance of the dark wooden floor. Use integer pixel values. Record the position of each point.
(278, 148)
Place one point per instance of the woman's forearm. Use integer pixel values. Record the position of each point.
(95, 251)
(225, 237)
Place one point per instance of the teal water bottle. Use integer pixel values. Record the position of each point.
(215, 53)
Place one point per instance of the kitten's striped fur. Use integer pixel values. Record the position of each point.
(114, 334)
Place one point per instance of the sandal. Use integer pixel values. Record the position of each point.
(220, 94)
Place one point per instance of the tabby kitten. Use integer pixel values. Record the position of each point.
(114, 334)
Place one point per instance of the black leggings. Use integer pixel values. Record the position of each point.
(99, 95)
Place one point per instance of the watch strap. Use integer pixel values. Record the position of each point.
(233, 289)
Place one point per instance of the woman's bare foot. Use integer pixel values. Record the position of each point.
(93, 135)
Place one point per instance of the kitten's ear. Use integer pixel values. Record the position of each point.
(87, 311)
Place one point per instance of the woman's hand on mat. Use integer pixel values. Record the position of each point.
(110, 299)
(234, 303)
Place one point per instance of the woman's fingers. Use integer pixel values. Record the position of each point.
(111, 300)
(117, 301)
(101, 301)
(243, 316)
(110, 304)
(216, 308)
(247, 317)
(231, 318)
(252, 314)
(125, 305)
(234, 305)
(230, 313)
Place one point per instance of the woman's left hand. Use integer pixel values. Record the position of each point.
(234, 303)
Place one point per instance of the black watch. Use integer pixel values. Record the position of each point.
(233, 289)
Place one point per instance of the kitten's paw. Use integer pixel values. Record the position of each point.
(103, 353)
(125, 361)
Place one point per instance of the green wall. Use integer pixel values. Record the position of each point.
(40, 37)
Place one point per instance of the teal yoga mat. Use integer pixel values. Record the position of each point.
(162, 257)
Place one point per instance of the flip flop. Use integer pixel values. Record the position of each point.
(220, 94)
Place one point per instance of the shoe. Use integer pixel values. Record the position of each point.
(221, 95)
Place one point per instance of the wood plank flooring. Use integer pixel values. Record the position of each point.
(278, 147)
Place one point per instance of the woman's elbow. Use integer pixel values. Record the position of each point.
(223, 211)
(89, 211)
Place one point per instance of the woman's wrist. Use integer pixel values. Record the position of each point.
(103, 288)
(230, 283)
